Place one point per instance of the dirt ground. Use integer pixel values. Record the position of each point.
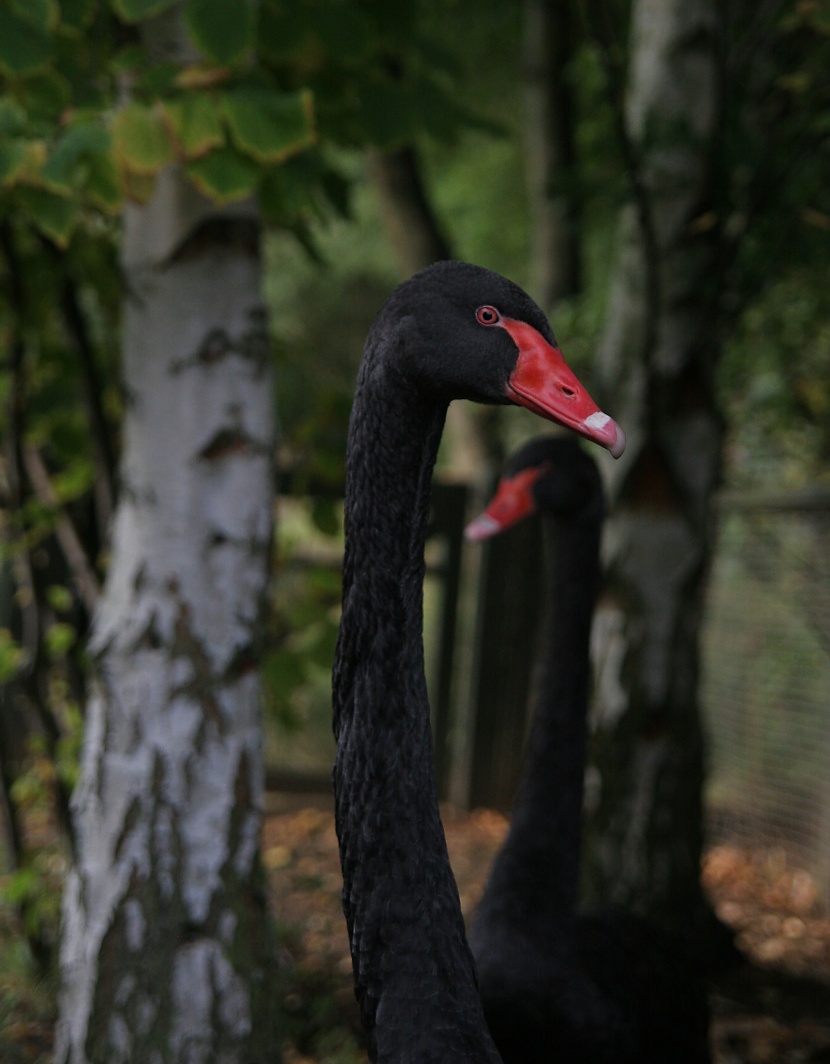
(775, 1009)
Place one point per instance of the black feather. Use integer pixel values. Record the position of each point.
(414, 974)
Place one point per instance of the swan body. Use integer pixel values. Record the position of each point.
(557, 984)
(452, 331)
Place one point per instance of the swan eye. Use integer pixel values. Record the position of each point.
(488, 316)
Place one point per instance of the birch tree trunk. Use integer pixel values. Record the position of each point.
(656, 365)
(164, 953)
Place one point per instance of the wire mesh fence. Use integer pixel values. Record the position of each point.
(766, 681)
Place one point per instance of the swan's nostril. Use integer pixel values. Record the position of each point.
(569, 393)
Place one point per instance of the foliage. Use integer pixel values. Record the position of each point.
(267, 90)
(45, 776)
(26, 1008)
(775, 379)
(776, 385)
(271, 99)
(11, 656)
(303, 625)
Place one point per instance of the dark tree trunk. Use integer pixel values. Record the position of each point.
(550, 152)
(413, 227)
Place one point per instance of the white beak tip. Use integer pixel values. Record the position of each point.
(483, 527)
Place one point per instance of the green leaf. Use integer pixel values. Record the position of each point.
(291, 192)
(140, 142)
(11, 656)
(326, 583)
(69, 163)
(155, 81)
(224, 175)
(437, 109)
(23, 46)
(102, 184)
(42, 14)
(59, 598)
(282, 670)
(325, 515)
(271, 199)
(138, 10)
(44, 94)
(75, 14)
(222, 29)
(280, 34)
(128, 60)
(19, 886)
(396, 22)
(386, 112)
(74, 480)
(60, 637)
(14, 159)
(437, 56)
(54, 215)
(322, 646)
(195, 123)
(345, 31)
(270, 126)
(12, 118)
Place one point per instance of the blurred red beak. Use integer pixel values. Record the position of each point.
(512, 502)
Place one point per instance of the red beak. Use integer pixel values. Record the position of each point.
(544, 383)
(512, 502)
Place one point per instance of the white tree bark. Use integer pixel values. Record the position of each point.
(656, 364)
(164, 952)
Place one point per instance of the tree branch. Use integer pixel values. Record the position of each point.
(78, 333)
(29, 609)
(80, 569)
(25, 684)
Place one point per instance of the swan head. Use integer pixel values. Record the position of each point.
(460, 331)
(550, 474)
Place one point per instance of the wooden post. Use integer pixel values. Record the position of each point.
(510, 611)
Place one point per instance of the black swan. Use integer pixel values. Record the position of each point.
(557, 984)
(452, 331)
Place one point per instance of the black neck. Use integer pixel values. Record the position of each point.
(545, 831)
(413, 971)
